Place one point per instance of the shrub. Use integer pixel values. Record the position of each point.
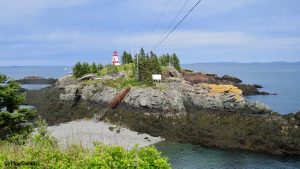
(93, 68)
(43, 152)
(112, 70)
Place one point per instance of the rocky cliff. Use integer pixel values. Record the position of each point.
(172, 95)
(207, 114)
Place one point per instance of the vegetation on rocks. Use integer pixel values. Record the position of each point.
(41, 151)
(20, 147)
(140, 68)
(173, 60)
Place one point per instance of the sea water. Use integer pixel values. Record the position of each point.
(280, 78)
(19, 72)
(189, 156)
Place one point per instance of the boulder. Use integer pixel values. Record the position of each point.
(211, 96)
(65, 81)
(97, 93)
(71, 93)
(104, 94)
(155, 99)
(258, 108)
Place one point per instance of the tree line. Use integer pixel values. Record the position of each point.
(84, 68)
(149, 64)
(146, 65)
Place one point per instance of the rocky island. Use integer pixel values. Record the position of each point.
(188, 107)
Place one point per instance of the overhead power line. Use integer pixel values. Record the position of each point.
(158, 20)
(174, 19)
(165, 37)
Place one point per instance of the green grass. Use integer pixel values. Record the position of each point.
(42, 151)
(122, 82)
(126, 68)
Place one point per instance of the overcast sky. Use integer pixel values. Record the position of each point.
(61, 32)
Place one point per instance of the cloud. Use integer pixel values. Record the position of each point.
(18, 9)
(75, 40)
(217, 6)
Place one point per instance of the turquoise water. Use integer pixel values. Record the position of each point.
(188, 156)
(281, 78)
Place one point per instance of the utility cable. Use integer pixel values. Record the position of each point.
(174, 19)
(176, 25)
(158, 20)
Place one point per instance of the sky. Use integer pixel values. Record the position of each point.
(62, 32)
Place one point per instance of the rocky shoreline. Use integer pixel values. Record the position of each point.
(206, 114)
(248, 89)
(85, 132)
(37, 80)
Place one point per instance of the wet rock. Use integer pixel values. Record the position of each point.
(257, 86)
(37, 80)
(231, 79)
(249, 90)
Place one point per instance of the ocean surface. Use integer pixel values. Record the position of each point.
(188, 156)
(19, 72)
(280, 78)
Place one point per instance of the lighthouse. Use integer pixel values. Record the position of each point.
(115, 60)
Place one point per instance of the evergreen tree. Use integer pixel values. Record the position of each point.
(77, 70)
(93, 68)
(155, 65)
(99, 67)
(12, 118)
(168, 59)
(10, 96)
(126, 58)
(175, 62)
(141, 65)
(85, 69)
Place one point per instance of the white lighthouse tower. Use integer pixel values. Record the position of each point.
(115, 60)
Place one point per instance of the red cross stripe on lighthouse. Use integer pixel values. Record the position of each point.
(115, 60)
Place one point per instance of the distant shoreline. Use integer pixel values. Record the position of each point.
(279, 62)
